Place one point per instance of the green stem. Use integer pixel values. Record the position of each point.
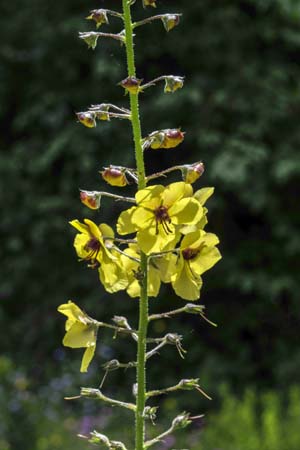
(143, 303)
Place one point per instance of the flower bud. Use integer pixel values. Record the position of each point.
(189, 384)
(87, 119)
(156, 139)
(111, 365)
(90, 39)
(173, 83)
(103, 114)
(114, 176)
(170, 21)
(131, 84)
(90, 199)
(98, 438)
(181, 421)
(99, 16)
(89, 392)
(149, 3)
(150, 412)
(193, 172)
(173, 138)
(194, 309)
(121, 322)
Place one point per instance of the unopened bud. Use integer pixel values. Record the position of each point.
(87, 119)
(170, 21)
(173, 83)
(173, 138)
(189, 384)
(193, 172)
(114, 176)
(181, 421)
(98, 438)
(194, 309)
(99, 16)
(90, 39)
(90, 199)
(149, 3)
(131, 84)
(103, 114)
(90, 392)
(111, 365)
(121, 321)
(173, 338)
(150, 412)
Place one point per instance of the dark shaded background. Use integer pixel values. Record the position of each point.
(240, 110)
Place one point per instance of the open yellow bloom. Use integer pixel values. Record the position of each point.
(198, 253)
(131, 268)
(91, 246)
(81, 332)
(157, 215)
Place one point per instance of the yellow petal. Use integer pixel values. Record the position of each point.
(149, 194)
(80, 335)
(143, 218)
(150, 242)
(206, 259)
(185, 285)
(202, 195)
(73, 313)
(125, 225)
(80, 226)
(106, 230)
(173, 193)
(87, 358)
(186, 211)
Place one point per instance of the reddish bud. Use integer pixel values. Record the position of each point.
(131, 84)
(114, 176)
(193, 172)
(149, 3)
(87, 119)
(90, 199)
(99, 16)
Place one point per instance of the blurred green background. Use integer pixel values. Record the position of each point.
(240, 110)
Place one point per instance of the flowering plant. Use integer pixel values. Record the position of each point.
(161, 237)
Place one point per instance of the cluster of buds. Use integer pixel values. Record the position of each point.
(104, 111)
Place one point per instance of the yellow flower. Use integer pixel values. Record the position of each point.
(81, 332)
(202, 195)
(158, 212)
(131, 268)
(99, 253)
(198, 253)
(89, 244)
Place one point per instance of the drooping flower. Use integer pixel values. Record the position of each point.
(99, 16)
(172, 83)
(198, 253)
(131, 84)
(193, 172)
(87, 119)
(158, 212)
(94, 244)
(81, 332)
(170, 21)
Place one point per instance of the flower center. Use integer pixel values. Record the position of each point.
(190, 253)
(92, 247)
(162, 217)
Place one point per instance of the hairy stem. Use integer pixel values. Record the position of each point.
(143, 304)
